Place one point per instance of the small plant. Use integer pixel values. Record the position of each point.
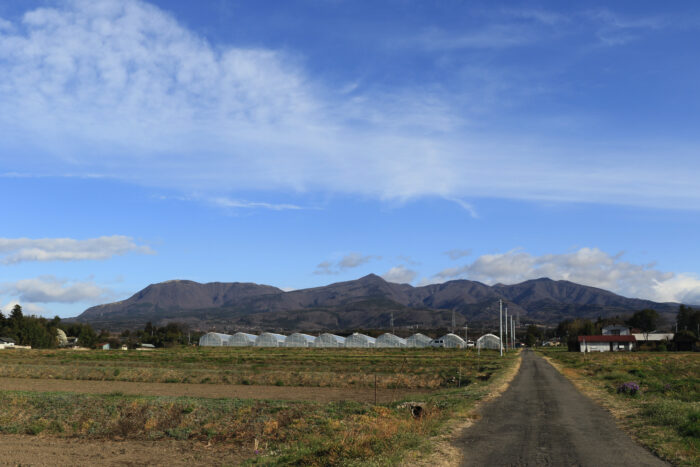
(630, 388)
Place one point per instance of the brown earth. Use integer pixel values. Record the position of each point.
(215, 391)
(47, 451)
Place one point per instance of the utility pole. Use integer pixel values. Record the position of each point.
(392, 323)
(466, 335)
(512, 332)
(506, 323)
(500, 325)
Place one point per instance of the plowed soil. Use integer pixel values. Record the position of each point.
(48, 451)
(215, 391)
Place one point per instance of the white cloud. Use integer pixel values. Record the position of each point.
(49, 289)
(120, 88)
(242, 204)
(457, 253)
(17, 250)
(27, 308)
(400, 275)
(588, 266)
(349, 261)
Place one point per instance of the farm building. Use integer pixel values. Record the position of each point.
(6, 342)
(488, 341)
(418, 340)
(329, 340)
(214, 339)
(389, 340)
(359, 340)
(299, 340)
(653, 336)
(449, 341)
(270, 339)
(610, 343)
(242, 339)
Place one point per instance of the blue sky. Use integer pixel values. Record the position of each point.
(298, 143)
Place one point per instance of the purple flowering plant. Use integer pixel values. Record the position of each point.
(629, 387)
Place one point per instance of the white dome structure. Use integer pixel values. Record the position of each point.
(327, 340)
(449, 341)
(357, 340)
(389, 340)
(242, 339)
(214, 339)
(488, 341)
(418, 340)
(270, 339)
(299, 340)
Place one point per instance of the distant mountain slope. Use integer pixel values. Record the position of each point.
(367, 302)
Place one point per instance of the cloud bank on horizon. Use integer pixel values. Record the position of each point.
(123, 89)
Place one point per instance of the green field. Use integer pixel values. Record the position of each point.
(664, 414)
(286, 431)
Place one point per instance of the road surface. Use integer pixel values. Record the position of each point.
(542, 419)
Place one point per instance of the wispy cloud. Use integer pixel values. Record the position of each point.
(49, 289)
(457, 253)
(400, 275)
(167, 108)
(18, 250)
(242, 204)
(349, 261)
(589, 266)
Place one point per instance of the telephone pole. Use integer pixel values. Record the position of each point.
(500, 325)
(506, 323)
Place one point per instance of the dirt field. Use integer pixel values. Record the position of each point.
(206, 390)
(49, 451)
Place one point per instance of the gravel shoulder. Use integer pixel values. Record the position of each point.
(542, 419)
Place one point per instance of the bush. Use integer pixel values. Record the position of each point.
(630, 388)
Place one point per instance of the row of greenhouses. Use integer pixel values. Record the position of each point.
(327, 340)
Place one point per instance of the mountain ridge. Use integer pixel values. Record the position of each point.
(367, 302)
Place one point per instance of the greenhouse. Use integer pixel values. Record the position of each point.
(329, 340)
(488, 341)
(270, 339)
(449, 341)
(214, 339)
(418, 340)
(389, 340)
(299, 340)
(242, 339)
(359, 340)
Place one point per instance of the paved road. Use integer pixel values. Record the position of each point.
(542, 419)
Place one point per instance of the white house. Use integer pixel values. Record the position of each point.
(608, 343)
(616, 330)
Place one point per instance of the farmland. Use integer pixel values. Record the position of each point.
(654, 395)
(263, 405)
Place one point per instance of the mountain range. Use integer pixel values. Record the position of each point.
(369, 302)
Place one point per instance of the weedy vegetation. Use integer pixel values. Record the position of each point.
(265, 431)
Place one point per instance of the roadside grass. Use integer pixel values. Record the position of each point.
(272, 432)
(664, 414)
(343, 368)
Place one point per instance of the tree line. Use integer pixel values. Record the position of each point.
(41, 333)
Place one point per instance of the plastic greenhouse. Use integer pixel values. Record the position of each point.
(449, 341)
(418, 340)
(270, 339)
(214, 339)
(299, 340)
(242, 339)
(329, 340)
(389, 340)
(359, 340)
(488, 341)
